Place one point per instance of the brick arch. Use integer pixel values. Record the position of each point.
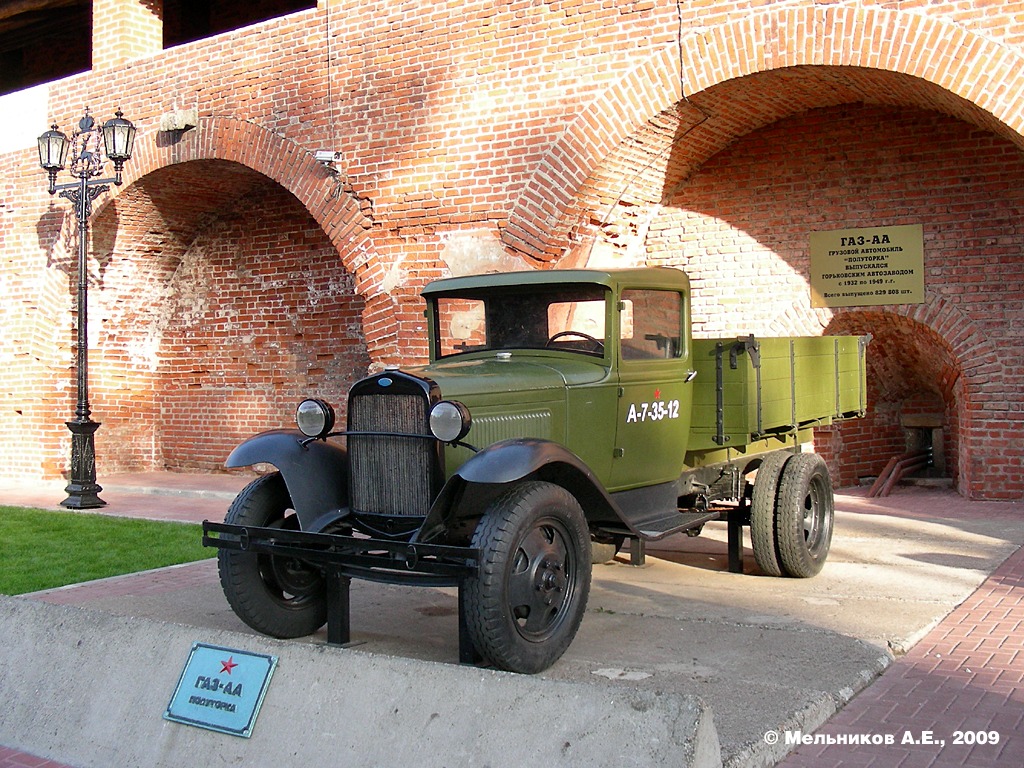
(218, 293)
(961, 365)
(335, 209)
(970, 347)
(327, 198)
(538, 225)
(935, 51)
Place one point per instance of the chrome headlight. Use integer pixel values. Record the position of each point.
(449, 421)
(315, 418)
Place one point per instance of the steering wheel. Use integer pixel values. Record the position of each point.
(598, 344)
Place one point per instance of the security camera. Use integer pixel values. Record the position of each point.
(326, 156)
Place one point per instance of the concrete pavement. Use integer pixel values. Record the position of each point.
(766, 656)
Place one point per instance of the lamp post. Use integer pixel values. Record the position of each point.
(118, 138)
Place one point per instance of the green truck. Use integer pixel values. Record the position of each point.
(561, 415)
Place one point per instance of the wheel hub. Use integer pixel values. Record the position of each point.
(539, 585)
(550, 580)
(294, 577)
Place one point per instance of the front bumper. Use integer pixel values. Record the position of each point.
(343, 558)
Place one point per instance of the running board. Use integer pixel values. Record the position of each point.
(659, 528)
(653, 512)
(681, 521)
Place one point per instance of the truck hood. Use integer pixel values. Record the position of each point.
(534, 377)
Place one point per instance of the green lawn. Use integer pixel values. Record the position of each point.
(41, 549)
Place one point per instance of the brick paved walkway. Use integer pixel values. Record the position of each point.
(11, 759)
(172, 579)
(966, 675)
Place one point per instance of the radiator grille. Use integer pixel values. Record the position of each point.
(390, 475)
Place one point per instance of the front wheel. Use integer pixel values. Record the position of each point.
(804, 515)
(278, 596)
(526, 603)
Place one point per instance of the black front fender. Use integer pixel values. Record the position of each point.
(316, 473)
(510, 460)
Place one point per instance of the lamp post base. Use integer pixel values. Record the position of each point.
(83, 496)
(82, 490)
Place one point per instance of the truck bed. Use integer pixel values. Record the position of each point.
(747, 389)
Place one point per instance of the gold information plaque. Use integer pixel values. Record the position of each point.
(867, 267)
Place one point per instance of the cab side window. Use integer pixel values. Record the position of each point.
(651, 325)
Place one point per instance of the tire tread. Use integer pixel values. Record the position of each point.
(794, 556)
(258, 504)
(485, 610)
(763, 504)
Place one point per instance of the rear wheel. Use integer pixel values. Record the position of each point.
(278, 596)
(804, 515)
(762, 513)
(526, 603)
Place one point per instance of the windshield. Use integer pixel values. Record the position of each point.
(564, 317)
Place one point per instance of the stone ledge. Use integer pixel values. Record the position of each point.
(90, 689)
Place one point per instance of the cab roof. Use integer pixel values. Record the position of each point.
(640, 277)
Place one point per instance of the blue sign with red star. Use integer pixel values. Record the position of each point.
(221, 689)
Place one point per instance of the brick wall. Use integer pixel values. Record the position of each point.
(124, 31)
(709, 135)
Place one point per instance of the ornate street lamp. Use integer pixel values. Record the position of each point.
(118, 137)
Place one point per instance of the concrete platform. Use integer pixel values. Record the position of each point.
(757, 654)
(325, 706)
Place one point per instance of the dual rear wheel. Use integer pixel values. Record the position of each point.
(791, 515)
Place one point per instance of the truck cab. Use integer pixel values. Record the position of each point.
(610, 352)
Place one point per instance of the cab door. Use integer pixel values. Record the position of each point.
(654, 390)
